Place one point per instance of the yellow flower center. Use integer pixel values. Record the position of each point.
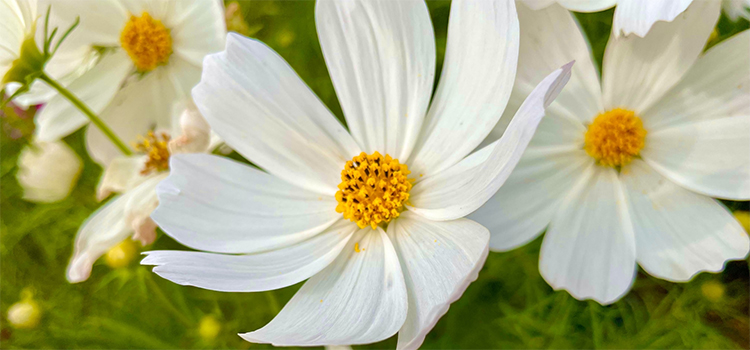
(147, 42)
(156, 146)
(373, 189)
(615, 137)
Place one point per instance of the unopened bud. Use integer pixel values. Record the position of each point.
(24, 314)
(712, 290)
(122, 254)
(209, 328)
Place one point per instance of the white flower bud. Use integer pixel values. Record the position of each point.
(48, 171)
(24, 314)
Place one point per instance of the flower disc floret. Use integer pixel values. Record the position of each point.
(373, 189)
(615, 137)
(147, 41)
(156, 147)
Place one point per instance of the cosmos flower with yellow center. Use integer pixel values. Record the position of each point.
(372, 217)
(622, 173)
(143, 57)
(133, 179)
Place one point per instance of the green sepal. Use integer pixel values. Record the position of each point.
(28, 66)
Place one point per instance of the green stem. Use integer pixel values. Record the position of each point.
(90, 114)
(168, 304)
(272, 302)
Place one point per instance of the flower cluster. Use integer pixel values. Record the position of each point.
(389, 218)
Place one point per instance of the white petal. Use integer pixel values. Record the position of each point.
(589, 248)
(338, 347)
(184, 76)
(96, 88)
(475, 84)
(717, 86)
(572, 5)
(463, 188)
(381, 57)
(195, 133)
(254, 100)
(699, 133)
(143, 200)
(527, 201)
(197, 29)
(254, 272)
(638, 16)
(104, 229)
(439, 260)
(216, 204)
(121, 174)
(525, 204)
(141, 106)
(587, 5)
(101, 21)
(638, 71)
(537, 4)
(47, 172)
(16, 17)
(679, 233)
(359, 298)
(710, 157)
(551, 38)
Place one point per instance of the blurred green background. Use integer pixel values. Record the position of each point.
(509, 306)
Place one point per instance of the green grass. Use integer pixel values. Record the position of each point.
(509, 306)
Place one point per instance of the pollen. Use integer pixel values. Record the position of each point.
(373, 189)
(155, 146)
(615, 137)
(147, 41)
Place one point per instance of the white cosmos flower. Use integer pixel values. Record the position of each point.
(17, 18)
(365, 280)
(134, 179)
(21, 20)
(638, 16)
(47, 171)
(148, 57)
(655, 211)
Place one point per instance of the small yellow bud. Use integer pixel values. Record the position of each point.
(24, 314)
(712, 290)
(744, 218)
(121, 255)
(209, 328)
(285, 37)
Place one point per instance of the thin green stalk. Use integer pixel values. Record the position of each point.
(168, 304)
(272, 301)
(90, 114)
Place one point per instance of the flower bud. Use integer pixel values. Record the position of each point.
(24, 314)
(121, 255)
(209, 328)
(712, 290)
(47, 171)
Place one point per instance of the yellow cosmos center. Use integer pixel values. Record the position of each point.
(147, 42)
(615, 137)
(373, 189)
(155, 146)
